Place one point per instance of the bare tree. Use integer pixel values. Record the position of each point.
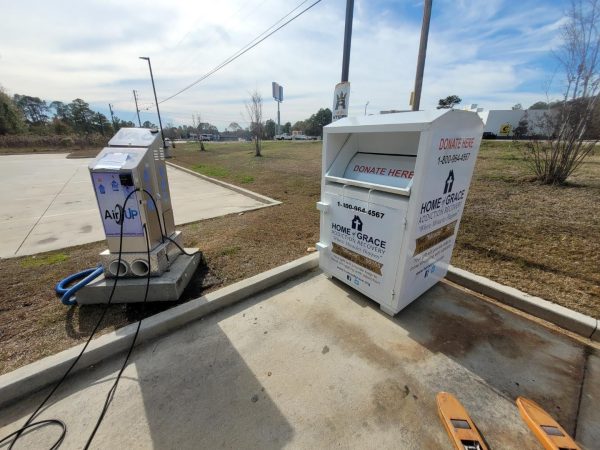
(254, 111)
(198, 130)
(555, 158)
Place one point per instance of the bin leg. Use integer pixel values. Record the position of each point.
(389, 311)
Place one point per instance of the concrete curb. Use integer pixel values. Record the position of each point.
(261, 198)
(570, 320)
(39, 374)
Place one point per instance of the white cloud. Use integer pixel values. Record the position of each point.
(484, 52)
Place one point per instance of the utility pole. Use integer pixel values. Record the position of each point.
(112, 117)
(341, 93)
(347, 39)
(136, 108)
(155, 100)
(422, 53)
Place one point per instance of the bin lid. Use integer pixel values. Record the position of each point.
(381, 169)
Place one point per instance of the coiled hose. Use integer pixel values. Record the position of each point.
(85, 276)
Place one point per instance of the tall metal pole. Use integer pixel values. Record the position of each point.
(136, 108)
(422, 54)
(347, 39)
(155, 100)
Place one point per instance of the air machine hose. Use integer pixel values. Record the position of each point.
(85, 276)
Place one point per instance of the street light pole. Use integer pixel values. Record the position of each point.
(155, 100)
(367, 104)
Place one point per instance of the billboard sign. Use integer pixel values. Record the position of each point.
(277, 91)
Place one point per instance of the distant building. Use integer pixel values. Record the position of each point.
(501, 123)
(392, 111)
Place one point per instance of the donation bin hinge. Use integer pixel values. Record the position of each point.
(323, 207)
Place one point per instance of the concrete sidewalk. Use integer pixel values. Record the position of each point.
(49, 203)
(313, 364)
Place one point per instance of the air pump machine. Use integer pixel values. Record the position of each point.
(129, 178)
(393, 189)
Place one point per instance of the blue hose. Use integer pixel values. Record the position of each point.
(67, 292)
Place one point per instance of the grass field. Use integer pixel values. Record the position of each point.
(541, 239)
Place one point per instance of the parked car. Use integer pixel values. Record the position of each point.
(283, 137)
(300, 137)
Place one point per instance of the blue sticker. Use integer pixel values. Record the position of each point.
(102, 189)
(115, 185)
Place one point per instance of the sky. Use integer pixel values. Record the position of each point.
(494, 53)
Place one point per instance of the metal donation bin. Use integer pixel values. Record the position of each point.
(393, 190)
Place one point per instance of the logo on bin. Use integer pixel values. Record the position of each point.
(357, 223)
(340, 100)
(449, 182)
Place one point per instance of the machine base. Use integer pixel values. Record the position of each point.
(160, 260)
(167, 287)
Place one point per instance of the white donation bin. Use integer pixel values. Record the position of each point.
(393, 190)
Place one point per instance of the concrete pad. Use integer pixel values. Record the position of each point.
(49, 202)
(313, 364)
(589, 412)
(15, 230)
(563, 317)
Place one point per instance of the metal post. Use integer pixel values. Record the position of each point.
(422, 54)
(367, 104)
(278, 119)
(155, 100)
(136, 108)
(347, 39)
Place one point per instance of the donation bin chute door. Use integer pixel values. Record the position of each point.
(379, 161)
(382, 171)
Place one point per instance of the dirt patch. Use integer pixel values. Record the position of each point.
(543, 240)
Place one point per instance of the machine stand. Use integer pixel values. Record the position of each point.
(167, 287)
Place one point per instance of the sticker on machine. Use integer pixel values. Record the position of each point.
(111, 197)
(362, 237)
(356, 258)
(434, 237)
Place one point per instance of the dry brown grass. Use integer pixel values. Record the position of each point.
(544, 240)
(541, 239)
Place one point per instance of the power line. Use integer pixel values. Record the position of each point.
(245, 49)
(235, 15)
(254, 10)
